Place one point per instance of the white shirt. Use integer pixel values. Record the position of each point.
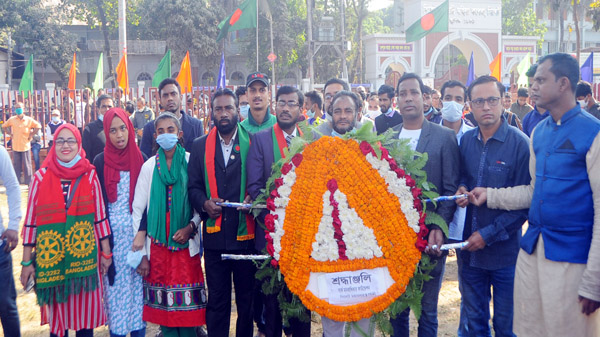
(13, 192)
(226, 148)
(285, 134)
(412, 136)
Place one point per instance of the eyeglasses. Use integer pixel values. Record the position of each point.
(480, 102)
(291, 104)
(69, 141)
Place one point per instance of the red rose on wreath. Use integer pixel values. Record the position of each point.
(271, 204)
(270, 223)
(366, 148)
(274, 194)
(400, 172)
(287, 167)
(410, 181)
(421, 244)
(332, 185)
(416, 192)
(274, 263)
(297, 159)
(278, 182)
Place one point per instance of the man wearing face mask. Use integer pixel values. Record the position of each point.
(586, 100)
(55, 122)
(313, 105)
(217, 172)
(93, 138)
(242, 94)
(21, 129)
(454, 95)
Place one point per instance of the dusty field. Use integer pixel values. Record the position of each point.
(29, 313)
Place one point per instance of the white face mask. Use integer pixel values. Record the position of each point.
(310, 113)
(452, 111)
(582, 104)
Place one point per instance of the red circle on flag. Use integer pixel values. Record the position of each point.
(427, 21)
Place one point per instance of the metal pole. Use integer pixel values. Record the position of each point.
(343, 31)
(122, 29)
(309, 4)
(273, 81)
(256, 35)
(9, 66)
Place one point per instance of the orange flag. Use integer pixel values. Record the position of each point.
(496, 67)
(122, 77)
(185, 74)
(73, 76)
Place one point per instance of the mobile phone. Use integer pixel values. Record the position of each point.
(30, 284)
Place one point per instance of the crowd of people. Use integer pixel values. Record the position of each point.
(124, 208)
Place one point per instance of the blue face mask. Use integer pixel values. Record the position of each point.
(167, 141)
(71, 163)
(101, 117)
(244, 111)
(19, 111)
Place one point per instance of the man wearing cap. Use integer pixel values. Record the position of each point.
(55, 122)
(22, 129)
(259, 95)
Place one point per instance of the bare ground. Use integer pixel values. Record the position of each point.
(29, 314)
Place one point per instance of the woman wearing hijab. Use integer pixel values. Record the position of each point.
(118, 170)
(174, 292)
(66, 223)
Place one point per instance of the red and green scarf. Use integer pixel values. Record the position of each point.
(66, 247)
(279, 143)
(246, 221)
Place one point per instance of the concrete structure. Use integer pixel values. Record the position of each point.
(475, 26)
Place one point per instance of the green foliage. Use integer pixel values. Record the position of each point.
(518, 18)
(35, 28)
(184, 25)
(593, 12)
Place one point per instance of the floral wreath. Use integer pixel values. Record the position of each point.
(350, 203)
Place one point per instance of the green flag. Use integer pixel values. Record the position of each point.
(26, 85)
(163, 71)
(244, 17)
(99, 79)
(434, 21)
(522, 68)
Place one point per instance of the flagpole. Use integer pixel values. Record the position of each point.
(256, 35)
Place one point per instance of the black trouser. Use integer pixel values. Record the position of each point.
(218, 281)
(274, 324)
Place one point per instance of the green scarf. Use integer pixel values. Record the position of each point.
(66, 251)
(180, 214)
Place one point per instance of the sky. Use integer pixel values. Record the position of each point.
(379, 4)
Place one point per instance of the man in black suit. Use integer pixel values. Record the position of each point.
(218, 159)
(93, 139)
(389, 116)
(443, 172)
(170, 100)
(263, 153)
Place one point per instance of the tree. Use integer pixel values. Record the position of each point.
(103, 13)
(518, 18)
(184, 25)
(35, 27)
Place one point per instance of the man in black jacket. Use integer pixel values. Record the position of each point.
(218, 160)
(93, 138)
(389, 116)
(170, 100)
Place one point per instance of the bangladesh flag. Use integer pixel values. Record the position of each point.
(434, 21)
(244, 17)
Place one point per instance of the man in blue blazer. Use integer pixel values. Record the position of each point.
(267, 148)
(443, 172)
(170, 100)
